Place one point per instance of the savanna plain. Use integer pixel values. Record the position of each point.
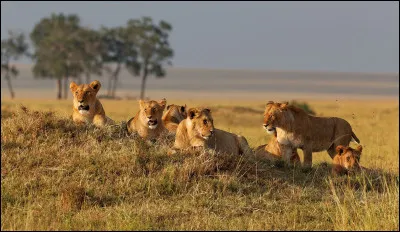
(59, 176)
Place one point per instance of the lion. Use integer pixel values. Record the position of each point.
(147, 122)
(297, 129)
(173, 116)
(86, 107)
(197, 131)
(346, 160)
(273, 151)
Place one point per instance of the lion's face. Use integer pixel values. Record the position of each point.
(85, 96)
(151, 112)
(201, 122)
(179, 112)
(274, 115)
(349, 158)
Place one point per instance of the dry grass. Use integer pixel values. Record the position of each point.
(57, 176)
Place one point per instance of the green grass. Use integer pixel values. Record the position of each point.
(59, 176)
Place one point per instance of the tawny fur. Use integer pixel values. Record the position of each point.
(347, 159)
(173, 116)
(152, 110)
(273, 151)
(297, 129)
(197, 130)
(86, 95)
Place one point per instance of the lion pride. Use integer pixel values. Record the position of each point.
(86, 107)
(197, 130)
(346, 160)
(173, 116)
(297, 129)
(147, 122)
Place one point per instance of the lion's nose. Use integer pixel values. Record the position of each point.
(149, 117)
(80, 101)
(265, 125)
(212, 132)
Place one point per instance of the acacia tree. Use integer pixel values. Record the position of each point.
(58, 49)
(117, 50)
(154, 52)
(92, 50)
(12, 49)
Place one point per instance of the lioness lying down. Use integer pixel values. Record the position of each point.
(346, 160)
(86, 107)
(273, 151)
(147, 122)
(297, 129)
(173, 116)
(197, 130)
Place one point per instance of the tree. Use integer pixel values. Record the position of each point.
(12, 49)
(117, 50)
(92, 52)
(58, 49)
(151, 41)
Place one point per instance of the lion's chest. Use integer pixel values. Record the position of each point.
(287, 138)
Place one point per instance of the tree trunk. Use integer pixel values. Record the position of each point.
(143, 85)
(10, 86)
(88, 78)
(65, 87)
(59, 88)
(112, 83)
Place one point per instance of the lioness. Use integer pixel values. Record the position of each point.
(86, 107)
(173, 116)
(346, 160)
(273, 151)
(147, 122)
(297, 129)
(197, 130)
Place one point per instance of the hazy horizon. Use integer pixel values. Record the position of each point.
(291, 36)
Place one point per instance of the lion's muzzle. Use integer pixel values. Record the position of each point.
(270, 129)
(153, 123)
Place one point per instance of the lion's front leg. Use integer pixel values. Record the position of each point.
(307, 157)
(99, 120)
(286, 152)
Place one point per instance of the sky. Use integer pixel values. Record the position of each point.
(319, 36)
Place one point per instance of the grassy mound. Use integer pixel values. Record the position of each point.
(59, 176)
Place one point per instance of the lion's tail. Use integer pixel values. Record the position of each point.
(354, 138)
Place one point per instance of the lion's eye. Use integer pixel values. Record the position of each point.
(348, 158)
(205, 121)
(76, 92)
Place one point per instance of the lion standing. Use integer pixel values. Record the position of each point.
(297, 129)
(147, 122)
(197, 130)
(86, 107)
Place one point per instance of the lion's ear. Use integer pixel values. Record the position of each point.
(207, 110)
(183, 108)
(283, 104)
(340, 149)
(192, 113)
(163, 103)
(73, 86)
(95, 85)
(269, 103)
(359, 148)
(141, 104)
(168, 107)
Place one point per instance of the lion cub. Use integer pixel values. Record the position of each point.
(173, 116)
(147, 122)
(273, 151)
(346, 160)
(197, 130)
(86, 107)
